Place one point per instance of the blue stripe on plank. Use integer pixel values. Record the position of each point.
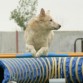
(28, 55)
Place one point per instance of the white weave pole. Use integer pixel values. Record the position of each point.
(57, 81)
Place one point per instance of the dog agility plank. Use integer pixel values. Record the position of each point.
(57, 54)
(14, 55)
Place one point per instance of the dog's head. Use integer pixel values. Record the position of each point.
(46, 21)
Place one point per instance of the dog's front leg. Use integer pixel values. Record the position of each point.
(42, 51)
(31, 49)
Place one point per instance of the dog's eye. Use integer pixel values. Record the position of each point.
(51, 20)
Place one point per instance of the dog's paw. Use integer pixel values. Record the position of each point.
(33, 52)
(31, 49)
(38, 54)
(42, 51)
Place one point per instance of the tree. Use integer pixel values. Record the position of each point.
(24, 12)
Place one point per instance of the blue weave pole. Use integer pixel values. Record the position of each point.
(28, 70)
(71, 68)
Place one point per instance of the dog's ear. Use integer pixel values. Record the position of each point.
(42, 12)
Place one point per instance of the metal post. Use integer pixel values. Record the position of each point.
(81, 45)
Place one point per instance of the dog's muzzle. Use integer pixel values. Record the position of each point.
(58, 27)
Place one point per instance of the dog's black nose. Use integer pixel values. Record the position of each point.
(59, 25)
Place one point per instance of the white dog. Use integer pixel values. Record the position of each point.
(39, 33)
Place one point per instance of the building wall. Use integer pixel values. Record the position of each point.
(7, 42)
(63, 41)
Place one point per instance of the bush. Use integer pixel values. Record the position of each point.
(24, 12)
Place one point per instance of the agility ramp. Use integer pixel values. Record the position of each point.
(39, 70)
